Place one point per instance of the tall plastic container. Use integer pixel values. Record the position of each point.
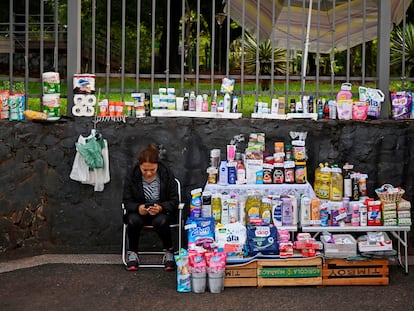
(252, 207)
(345, 92)
(337, 183)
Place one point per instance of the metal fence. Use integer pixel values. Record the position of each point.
(262, 44)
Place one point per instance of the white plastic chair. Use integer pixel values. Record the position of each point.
(177, 226)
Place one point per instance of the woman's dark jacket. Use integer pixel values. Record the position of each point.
(133, 195)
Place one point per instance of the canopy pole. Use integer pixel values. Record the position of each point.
(305, 53)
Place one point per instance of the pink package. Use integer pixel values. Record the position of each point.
(196, 261)
(359, 110)
(401, 105)
(216, 262)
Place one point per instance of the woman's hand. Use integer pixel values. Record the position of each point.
(155, 209)
(142, 209)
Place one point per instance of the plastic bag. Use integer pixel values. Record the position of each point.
(91, 151)
(262, 239)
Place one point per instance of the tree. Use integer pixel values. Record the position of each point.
(401, 47)
(266, 52)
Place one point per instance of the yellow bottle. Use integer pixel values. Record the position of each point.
(325, 182)
(252, 208)
(317, 181)
(266, 211)
(216, 207)
(336, 191)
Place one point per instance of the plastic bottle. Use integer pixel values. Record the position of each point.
(199, 103)
(241, 173)
(232, 173)
(191, 103)
(235, 104)
(266, 211)
(186, 102)
(362, 184)
(223, 173)
(320, 109)
(325, 109)
(252, 208)
(227, 102)
(287, 212)
(325, 182)
(317, 181)
(355, 189)
(216, 207)
(204, 106)
(336, 191)
(345, 92)
(214, 102)
(292, 105)
(347, 180)
(305, 211)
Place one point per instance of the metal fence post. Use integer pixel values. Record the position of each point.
(74, 48)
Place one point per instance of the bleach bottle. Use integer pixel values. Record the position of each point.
(345, 92)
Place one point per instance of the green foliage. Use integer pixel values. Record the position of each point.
(403, 47)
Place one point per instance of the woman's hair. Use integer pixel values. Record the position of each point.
(149, 154)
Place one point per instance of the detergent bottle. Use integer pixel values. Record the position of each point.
(325, 182)
(345, 92)
(337, 183)
(317, 181)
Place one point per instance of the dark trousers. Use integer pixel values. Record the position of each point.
(136, 222)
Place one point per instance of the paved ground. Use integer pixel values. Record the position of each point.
(99, 282)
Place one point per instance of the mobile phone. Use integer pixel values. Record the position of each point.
(148, 205)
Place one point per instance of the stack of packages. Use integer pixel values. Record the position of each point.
(389, 213)
(404, 213)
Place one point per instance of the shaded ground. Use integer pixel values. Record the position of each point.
(110, 287)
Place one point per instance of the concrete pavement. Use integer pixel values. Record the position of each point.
(100, 282)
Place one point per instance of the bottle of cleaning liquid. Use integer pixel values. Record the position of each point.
(266, 211)
(345, 92)
(317, 182)
(325, 182)
(252, 208)
(337, 182)
(216, 206)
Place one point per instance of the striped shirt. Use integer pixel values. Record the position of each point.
(152, 190)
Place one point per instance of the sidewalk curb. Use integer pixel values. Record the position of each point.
(89, 259)
(34, 261)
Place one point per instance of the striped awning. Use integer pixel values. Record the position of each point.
(334, 24)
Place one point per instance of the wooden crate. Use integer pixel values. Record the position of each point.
(289, 272)
(241, 275)
(344, 272)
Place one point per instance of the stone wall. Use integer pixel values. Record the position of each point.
(41, 206)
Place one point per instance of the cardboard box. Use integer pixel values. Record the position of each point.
(376, 241)
(344, 246)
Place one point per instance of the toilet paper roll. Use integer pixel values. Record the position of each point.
(79, 100)
(90, 100)
(89, 111)
(83, 111)
(78, 110)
